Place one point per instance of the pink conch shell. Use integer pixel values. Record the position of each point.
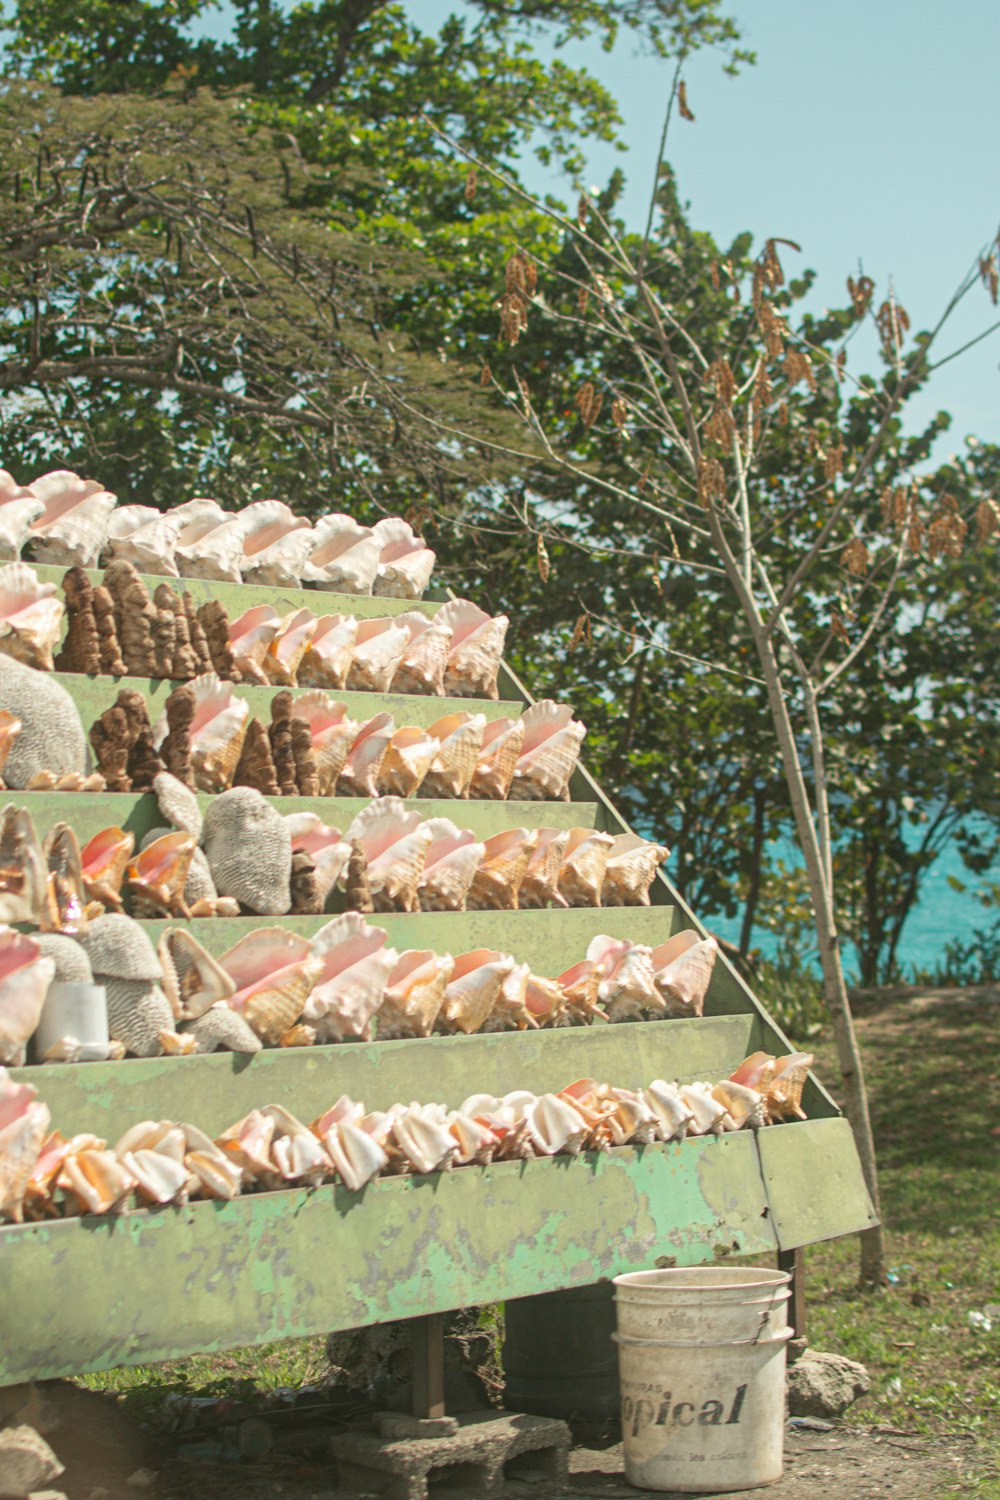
(552, 739)
(250, 636)
(511, 1011)
(31, 616)
(540, 886)
(461, 737)
(474, 989)
(744, 1106)
(94, 1176)
(24, 1123)
(330, 651)
(632, 866)
(25, 976)
(23, 869)
(780, 1080)
(395, 844)
(477, 641)
(19, 509)
(344, 556)
(554, 1124)
(288, 646)
(72, 529)
(683, 967)
(378, 651)
(672, 1114)
(407, 761)
(450, 864)
(405, 562)
(274, 972)
(325, 846)
(545, 1000)
(503, 740)
(276, 544)
(354, 1151)
(414, 994)
(217, 732)
(424, 659)
(296, 1153)
(333, 735)
(355, 965)
(209, 544)
(103, 860)
(626, 985)
(152, 1152)
(145, 537)
(708, 1116)
(581, 871)
(423, 1138)
(359, 777)
(65, 905)
(193, 981)
(156, 878)
(505, 861)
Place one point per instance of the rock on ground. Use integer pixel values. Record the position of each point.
(824, 1385)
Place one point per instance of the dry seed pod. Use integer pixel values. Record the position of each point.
(215, 624)
(112, 661)
(306, 774)
(356, 887)
(196, 634)
(81, 650)
(110, 741)
(255, 766)
(175, 750)
(306, 899)
(143, 761)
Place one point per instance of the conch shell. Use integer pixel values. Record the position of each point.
(395, 844)
(217, 732)
(683, 967)
(276, 544)
(103, 860)
(461, 740)
(453, 856)
(250, 636)
(72, 529)
(344, 556)
(503, 740)
(353, 1149)
(409, 757)
(19, 508)
(25, 976)
(288, 646)
(23, 872)
(626, 985)
(31, 616)
(145, 537)
(156, 878)
(326, 847)
(477, 641)
(359, 777)
(422, 667)
(540, 886)
(414, 994)
(333, 734)
(551, 748)
(378, 651)
(505, 861)
(631, 870)
(210, 543)
(273, 971)
(64, 909)
(193, 981)
(474, 989)
(355, 965)
(329, 652)
(405, 562)
(779, 1079)
(583, 865)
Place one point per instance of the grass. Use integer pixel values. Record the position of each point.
(932, 1074)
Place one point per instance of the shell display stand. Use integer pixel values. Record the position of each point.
(92, 1294)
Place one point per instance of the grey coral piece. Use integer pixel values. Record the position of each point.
(221, 1026)
(52, 737)
(137, 1013)
(249, 849)
(178, 804)
(200, 885)
(118, 948)
(71, 961)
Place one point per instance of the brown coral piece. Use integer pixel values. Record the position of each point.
(255, 766)
(111, 743)
(282, 753)
(164, 642)
(196, 635)
(184, 662)
(356, 887)
(215, 623)
(143, 761)
(81, 651)
(306, 899)
(175, 750)
(135, 618)
(112, 661)
(306, 772)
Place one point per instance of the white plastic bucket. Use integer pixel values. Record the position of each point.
(703, 1397)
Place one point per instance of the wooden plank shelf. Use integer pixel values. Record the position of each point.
(216, 1090)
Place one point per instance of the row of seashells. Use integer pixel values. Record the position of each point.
(62, 519)
(345, 983)
(44, 1174)
(117, 628)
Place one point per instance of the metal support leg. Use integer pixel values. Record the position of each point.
(428, 1366)
(794, 1261)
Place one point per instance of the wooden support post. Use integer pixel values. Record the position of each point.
(428, 1367)
(794, 1261)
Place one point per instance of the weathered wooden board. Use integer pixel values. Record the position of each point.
(217, 1090)
(237, 598)
(814, 1182)
(94, 1294)
(138, 812)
